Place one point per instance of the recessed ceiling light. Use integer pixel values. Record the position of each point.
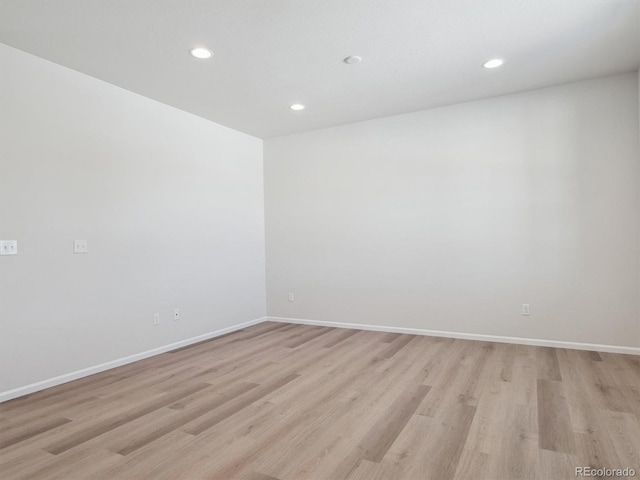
(493, 63)
(297, 107)
(353, 59)
(200, 52)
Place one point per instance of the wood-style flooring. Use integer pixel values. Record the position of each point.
(293, 402)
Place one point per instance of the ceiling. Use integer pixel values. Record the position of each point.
(268, 54)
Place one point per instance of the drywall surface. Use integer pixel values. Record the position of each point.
(171, 206)
(450, 219)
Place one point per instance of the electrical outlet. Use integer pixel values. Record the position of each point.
(156, 319)
(291, 296)
(8, 247)
(80, 246)
(526, 310)
(176, 314)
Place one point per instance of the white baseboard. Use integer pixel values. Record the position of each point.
(85, 372)
(466, 336)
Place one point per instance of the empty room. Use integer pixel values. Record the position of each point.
(319, 239)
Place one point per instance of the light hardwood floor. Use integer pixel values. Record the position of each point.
(291, 402)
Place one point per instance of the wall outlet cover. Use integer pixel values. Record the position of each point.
(8, 247)
(80, 246)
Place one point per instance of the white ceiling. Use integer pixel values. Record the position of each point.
(417, 54)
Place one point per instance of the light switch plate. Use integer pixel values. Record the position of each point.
(79, 246)
(8, 247)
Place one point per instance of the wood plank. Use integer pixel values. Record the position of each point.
(595, 356)
(515, 452)
(114, 422)
(396, 345)
(389, 337)
(508, 360)
(625, 435)
(434, 445)
(20, 434)
(348, 333)
(367, 470)
(555, 432)
(556, 465)
(241, 402)
(377, 441)
(128, 446)
(307, 338)
(257, 476)
(547, 363)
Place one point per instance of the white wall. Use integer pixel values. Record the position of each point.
(171, 205)
(447, 219)
(450, 219)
